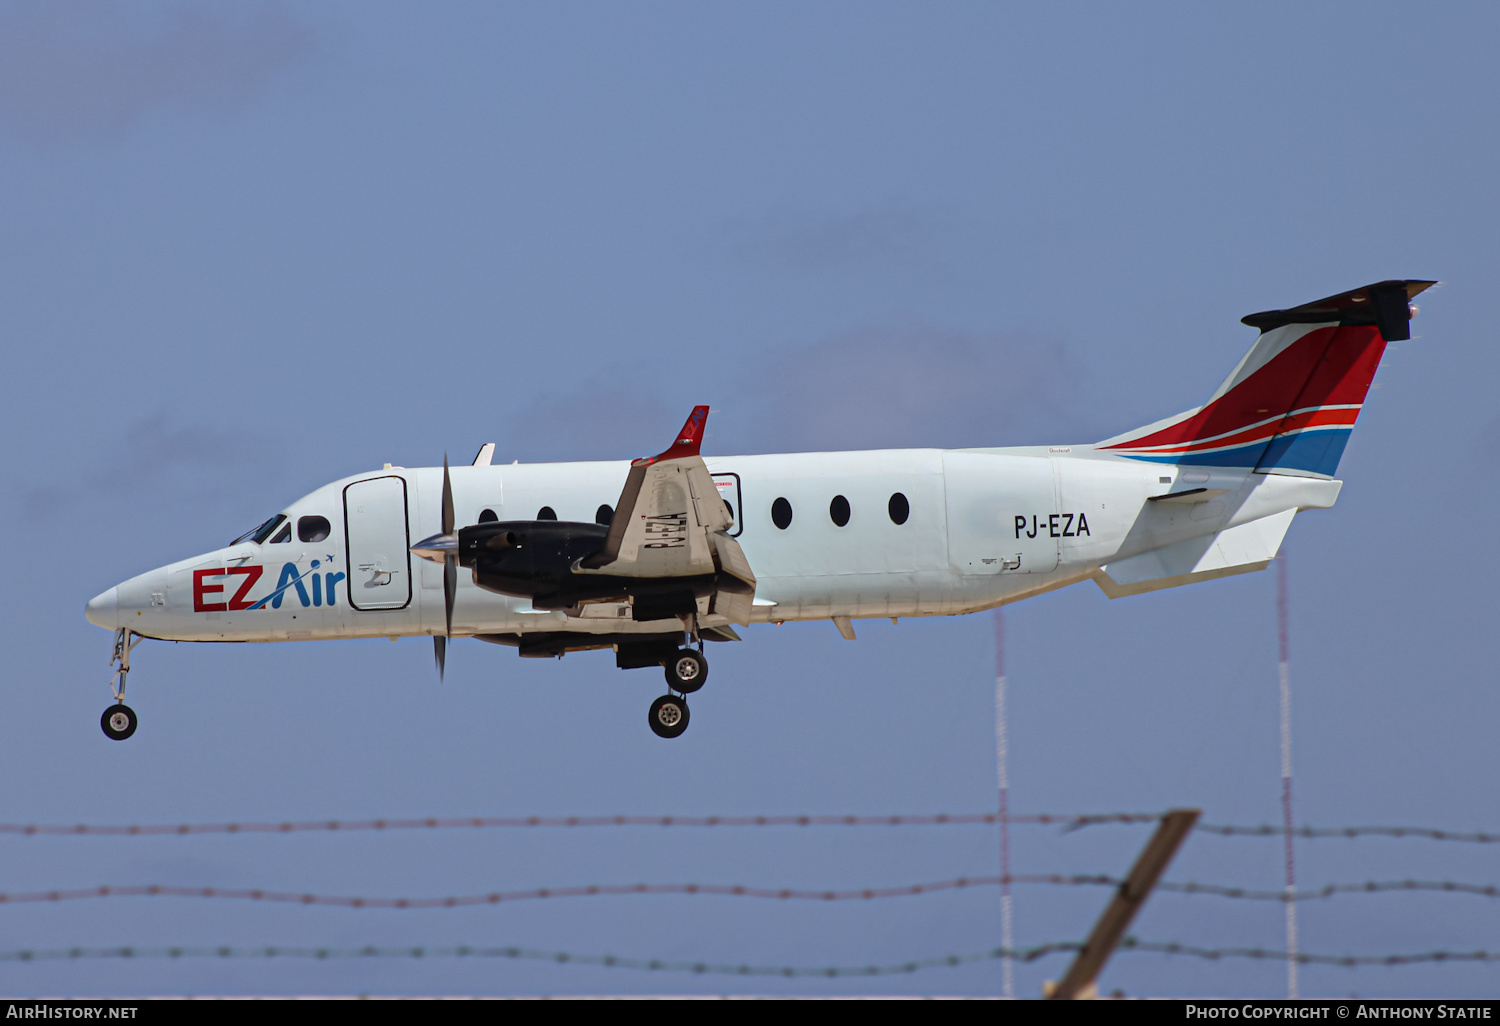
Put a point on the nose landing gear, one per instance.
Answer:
(119, 720)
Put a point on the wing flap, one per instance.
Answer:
(734, 606)
(731, 558)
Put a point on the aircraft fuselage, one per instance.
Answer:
(977, 528)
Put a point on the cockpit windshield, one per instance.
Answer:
(261, 533)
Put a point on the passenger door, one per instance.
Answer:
(378, 544)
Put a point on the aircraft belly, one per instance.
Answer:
(922, 593)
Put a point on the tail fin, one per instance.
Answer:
(1289, 406)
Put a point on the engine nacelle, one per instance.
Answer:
(534, 559)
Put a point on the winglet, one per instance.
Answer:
(689, 439)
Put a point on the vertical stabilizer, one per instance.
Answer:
(1289, 405)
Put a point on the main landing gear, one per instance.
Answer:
(687, 671)
(119, 720)
(669, 716)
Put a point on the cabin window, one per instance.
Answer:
(728, 508)
(899, 508)
(312, 529)
(283, 535)
(781, 514)
(838, 511)
(604, 514)
(546, 513)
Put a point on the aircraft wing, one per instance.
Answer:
(670, 522)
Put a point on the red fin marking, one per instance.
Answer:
(689, 439)
(1328, 366)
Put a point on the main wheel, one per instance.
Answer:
(686, 671)
(669, 716)
(118, 722)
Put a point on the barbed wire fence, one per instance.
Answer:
(1030, 954)
(731, 891)
(1065, 823)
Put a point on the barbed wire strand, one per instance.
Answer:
(500, 897)
(1424, 833)
(512, 822)
(1330, 890)
(1067, 822)
(723, 890)
(1305, 958)
(527, 954)
(714, 968)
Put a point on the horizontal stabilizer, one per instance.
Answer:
(1383, 304)
(1238, 550)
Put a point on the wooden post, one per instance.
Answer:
(1089, 963)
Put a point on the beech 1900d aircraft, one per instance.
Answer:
(655, 557)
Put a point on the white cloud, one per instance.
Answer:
(919, 386)
(889, 234)
(861, 389)
(87, 67)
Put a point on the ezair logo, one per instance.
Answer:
(311, 587)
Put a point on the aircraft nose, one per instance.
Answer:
(103, 609)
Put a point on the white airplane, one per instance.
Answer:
(652, 558)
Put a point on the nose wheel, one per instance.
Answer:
(118, 722)
(669, 716)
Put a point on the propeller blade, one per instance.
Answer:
(447, 498)
(450, 589)
(444, 544)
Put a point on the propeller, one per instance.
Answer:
(450, 572)
(443, 548)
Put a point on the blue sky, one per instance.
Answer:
(246, 250)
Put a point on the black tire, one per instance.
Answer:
(687, 671)
(669, 716)
(118, 721)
